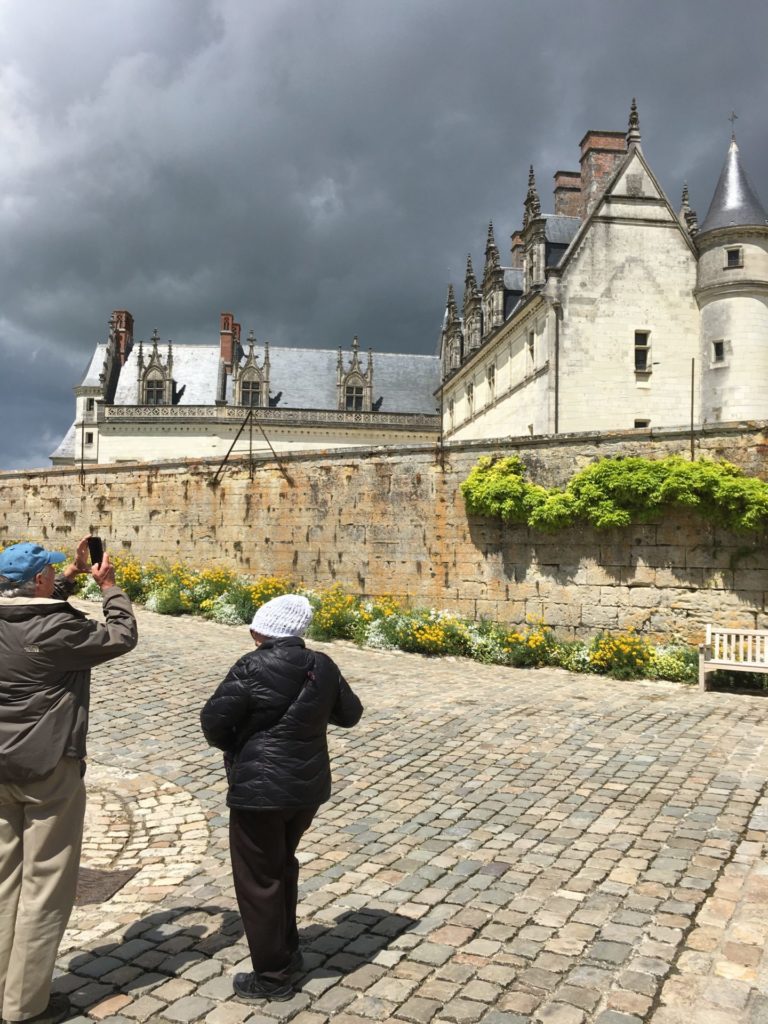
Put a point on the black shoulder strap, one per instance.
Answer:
(247, 730)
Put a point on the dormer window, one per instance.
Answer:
(156, 385)
(355, 385)
(250, 379)
(734, 258)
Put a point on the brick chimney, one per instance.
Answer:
(567, 190)
(124, 333)
(600, 155)
(227, 339)
(517, 251)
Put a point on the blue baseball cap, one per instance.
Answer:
(22, 562)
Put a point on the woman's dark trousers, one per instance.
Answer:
(262, 846)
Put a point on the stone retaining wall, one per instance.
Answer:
(393, 521)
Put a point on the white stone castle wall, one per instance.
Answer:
(627, 278)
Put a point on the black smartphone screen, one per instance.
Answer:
(96, 550)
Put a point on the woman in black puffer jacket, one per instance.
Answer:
(270, 716)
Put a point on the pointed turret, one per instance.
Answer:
(532, 201)
(633, 128)
(735, 202)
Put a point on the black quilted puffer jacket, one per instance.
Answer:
(270, 716)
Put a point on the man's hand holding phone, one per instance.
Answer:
(80, 563)
(104, 572)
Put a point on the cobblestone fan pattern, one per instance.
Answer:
(402, 529)
(502, 846)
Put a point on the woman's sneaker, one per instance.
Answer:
(252, 987)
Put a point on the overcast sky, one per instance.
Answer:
(319, 167)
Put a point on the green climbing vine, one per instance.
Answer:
(618, 492)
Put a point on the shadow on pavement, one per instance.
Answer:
(191, 943)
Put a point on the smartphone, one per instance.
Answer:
(96, 550)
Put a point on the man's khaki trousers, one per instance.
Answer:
(41, 831)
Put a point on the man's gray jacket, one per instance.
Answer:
(47, 651)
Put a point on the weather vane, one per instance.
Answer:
(733, 119)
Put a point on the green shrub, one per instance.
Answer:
(166, 600)
(676, 662)
(618, 492)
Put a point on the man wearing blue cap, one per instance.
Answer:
(47, 651)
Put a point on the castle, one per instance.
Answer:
(615, 312)
(156, 402)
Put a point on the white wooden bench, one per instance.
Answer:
(738, 650)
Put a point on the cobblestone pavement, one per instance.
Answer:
(502, 846)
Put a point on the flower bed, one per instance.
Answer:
(387, 623)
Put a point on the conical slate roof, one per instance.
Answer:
(735, 201)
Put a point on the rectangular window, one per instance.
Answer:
(250, 393)
(89, 404)
(155, 391)
(491, 377)
(642, 352)
(718, 351)
(642, 424)
(471, 398)
(88, 437)
(353, 398)
(531, 345)
(733, 258)
(450, 412)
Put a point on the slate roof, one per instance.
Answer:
(96, 365)
(560, 230)
(306, 377)
(66, 449)
(735, 201)
(513, 279)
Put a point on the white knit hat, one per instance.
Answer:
(289, 615)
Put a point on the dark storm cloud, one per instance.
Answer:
(321, 169)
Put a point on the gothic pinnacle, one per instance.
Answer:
(470, 274)
(633, 131)
(687, 215)
(532, 202)
(450, 305)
